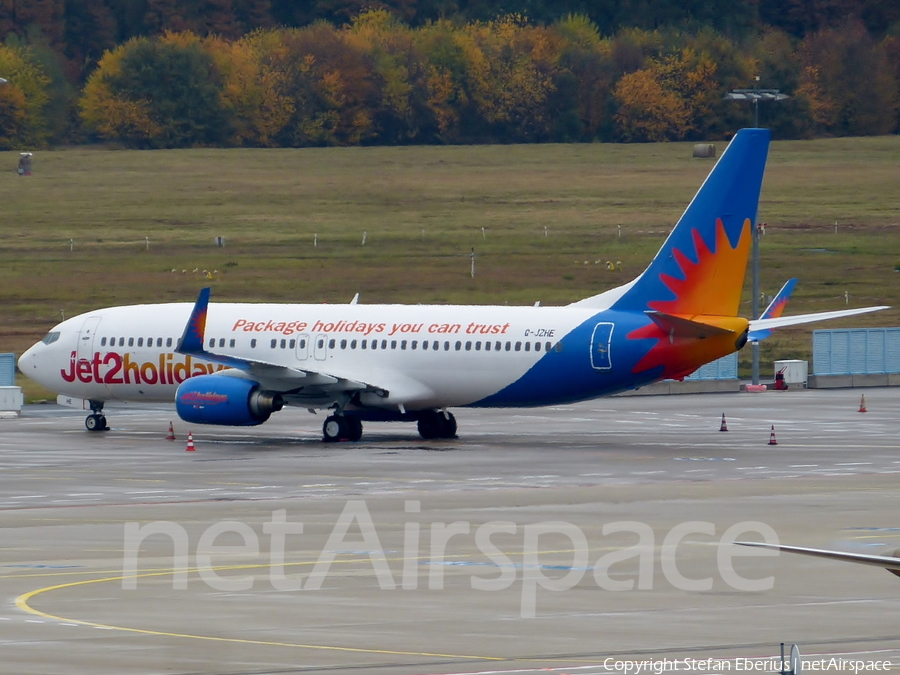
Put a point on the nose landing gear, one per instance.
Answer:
(96, 421)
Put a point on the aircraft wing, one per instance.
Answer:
(890, 563)
(779, 322)
(274, 376)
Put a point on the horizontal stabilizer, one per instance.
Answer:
(764, 324)
(890, 563)
(677, 326)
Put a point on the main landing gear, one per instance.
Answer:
(96, 421)
(436, 424)
(432, 424)
(341, 428)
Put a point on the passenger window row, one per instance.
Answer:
(111, 342)
(367, 344)
(424, 345)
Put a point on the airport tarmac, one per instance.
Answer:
(440, 552)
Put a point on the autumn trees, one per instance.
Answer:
(379, 79)
(23, 99)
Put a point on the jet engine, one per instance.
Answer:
(223, 400)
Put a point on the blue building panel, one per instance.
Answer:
(7, 370)
(725, 368)
(860, 351)
(892, 350)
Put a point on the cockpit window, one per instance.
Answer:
(50, 338)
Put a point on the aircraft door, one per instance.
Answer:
(302, 347)
(320, 349)
(601, 343)
(86, 337)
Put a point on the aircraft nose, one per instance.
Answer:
(28, 361)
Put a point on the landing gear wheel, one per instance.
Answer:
(434, 424)
(335, 428)
(354, 428)
(429, 425)
(448, 425)
(96, 422)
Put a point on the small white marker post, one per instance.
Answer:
(473, 263)
(365, 234)
(482, 234)
(146, 243)
(316, 240)
(835, 227)
(545, 231)
(71, 245)
(619, 228)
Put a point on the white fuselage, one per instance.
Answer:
(425, 356)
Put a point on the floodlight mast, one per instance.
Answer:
(756, 95)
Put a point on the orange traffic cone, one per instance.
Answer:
(772, 440)
(723, 426)
(862, 404)
(171, 436)
(190, 444)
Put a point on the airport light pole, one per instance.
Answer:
(756, 95)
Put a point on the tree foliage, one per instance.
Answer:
(23, 100)
(164, 93)
(162, 73)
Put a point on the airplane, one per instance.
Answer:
(889, 562)
(237, 363)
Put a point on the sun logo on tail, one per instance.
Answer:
(198, 326)
(713, 284)
(710, 287)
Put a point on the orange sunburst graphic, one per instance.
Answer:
(713, 284)
(198, 325)
(710, 287)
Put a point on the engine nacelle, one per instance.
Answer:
(219, 399)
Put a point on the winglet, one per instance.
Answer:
(192, 340)
(774, 310)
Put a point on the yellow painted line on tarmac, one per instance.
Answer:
(22, 602)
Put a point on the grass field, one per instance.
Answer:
(73, 234)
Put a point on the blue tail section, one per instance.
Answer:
(700, 268)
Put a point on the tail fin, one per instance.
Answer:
(700, 268)
(774, 310)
